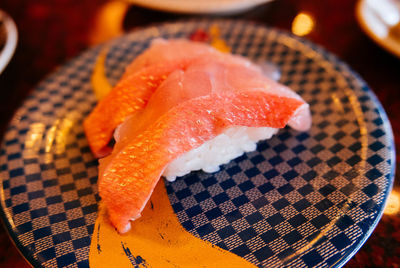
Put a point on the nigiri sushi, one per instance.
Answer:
(203, 113)
(141, 78)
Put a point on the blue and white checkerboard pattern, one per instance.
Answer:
(302, 199)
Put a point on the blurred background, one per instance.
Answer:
(52, 32)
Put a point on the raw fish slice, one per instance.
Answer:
(162, 50)
(139, 82)
(128, 176)
(189, 108)
(131, 94)
(202, 78)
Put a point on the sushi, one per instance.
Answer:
(205, 110)
(141, 78)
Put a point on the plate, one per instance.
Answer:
(8, 39)
(376, 28)
(302, 199)
(221, 7)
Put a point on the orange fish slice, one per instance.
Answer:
(141, 78)
(129, 175)
(129, 95)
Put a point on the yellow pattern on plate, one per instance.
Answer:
(157, 239)
(101, 86)
(216, 41)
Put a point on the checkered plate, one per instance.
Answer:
(302, 199)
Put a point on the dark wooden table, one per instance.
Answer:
(51, 32)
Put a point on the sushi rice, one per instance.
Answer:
(227, 146)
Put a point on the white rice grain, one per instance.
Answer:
(221, 150)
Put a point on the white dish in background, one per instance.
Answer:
(376, 19)
(221, 7)
(11, 36)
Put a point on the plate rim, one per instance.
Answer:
(10, 45)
